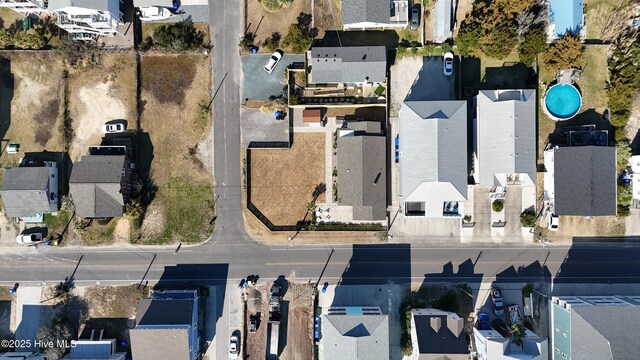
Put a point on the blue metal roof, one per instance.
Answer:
(566, 15)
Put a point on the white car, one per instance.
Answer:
(153, 13)
(554, 222)
(29, 239)
(447, 64)
(234, 347)
(496, 299)
(113, 127)
(273, 61)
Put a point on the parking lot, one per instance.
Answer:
(431, 83)
(256, 126)
(260, 85)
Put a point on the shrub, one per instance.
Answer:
(447, 302)
(497, 206)
(623, 210)
(271, 43)
(6, 39)
(534, 43)
(182, 36)
(621, 134)
(275, 5)
(467, 218)
(566, 52)
(405, 324)
(528, 218)
(297, 39)
(624, 194)
(28, 40)
(623, 153)
(246, 43)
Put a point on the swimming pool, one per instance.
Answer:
(563, 101)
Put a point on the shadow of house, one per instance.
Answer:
(144, 158)
(535, 273)
(509, 76)
(172, 315)
(211, 279)
(5, 320)
(367, 298)
(387, 38)
(613, 265)
(110, 328)
(7, 84)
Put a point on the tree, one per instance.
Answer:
(297, 39)
(497, 206)
(623, 153)
(28, 40)
(468, 38)
(58, 330)
(565, 53)
(528, 218)
(6, 38)
(517, 333)
(182, 36)
(534, 43)
(498, 41)
(271, 43)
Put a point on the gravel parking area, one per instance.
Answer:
(256, 126)
(260, 85)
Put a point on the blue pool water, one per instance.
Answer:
(563, 101)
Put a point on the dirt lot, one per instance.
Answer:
(327, 15)
(283, 181)
(296, 323)
(464, 7)
(576, 226)
(99, 94)
(180, 185)
(30, 102)
(263, 23)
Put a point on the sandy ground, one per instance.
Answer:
(180, 158)
(403, 75)
(634, 125)
(122, 232)
(97, 105)
(263, 23)
(100, 94)
(30, 102)
(296, 323)
(327, 15)
(464, 7)
(283, 181)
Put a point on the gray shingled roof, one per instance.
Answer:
(356, 337)
(365, 11)
(506, 134)
(362, 175)
(585, 181)
(352, 64)
(95, 186)
(605, 332)
(433, 144)
(24, 191)
(442, 23)
(443, 341)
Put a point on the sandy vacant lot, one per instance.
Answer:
(181, 208)
(100, 94)
(31, 92)
(283, 181)
(263, 23)
(327, 15)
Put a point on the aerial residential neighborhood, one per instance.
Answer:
(320, 179)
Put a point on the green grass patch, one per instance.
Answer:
(57, 223)
(189, 209)
(99, 232)
(594, 79)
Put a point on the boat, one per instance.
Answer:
(154, 13)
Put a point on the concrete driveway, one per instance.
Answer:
(256, 126)
(431, 84)
(257, 84)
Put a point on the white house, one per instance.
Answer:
(82, 19)
(490, 345)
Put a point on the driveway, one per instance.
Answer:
(256, 126)
(431, 84)
(257, 84)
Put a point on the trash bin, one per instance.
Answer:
(26, 23)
